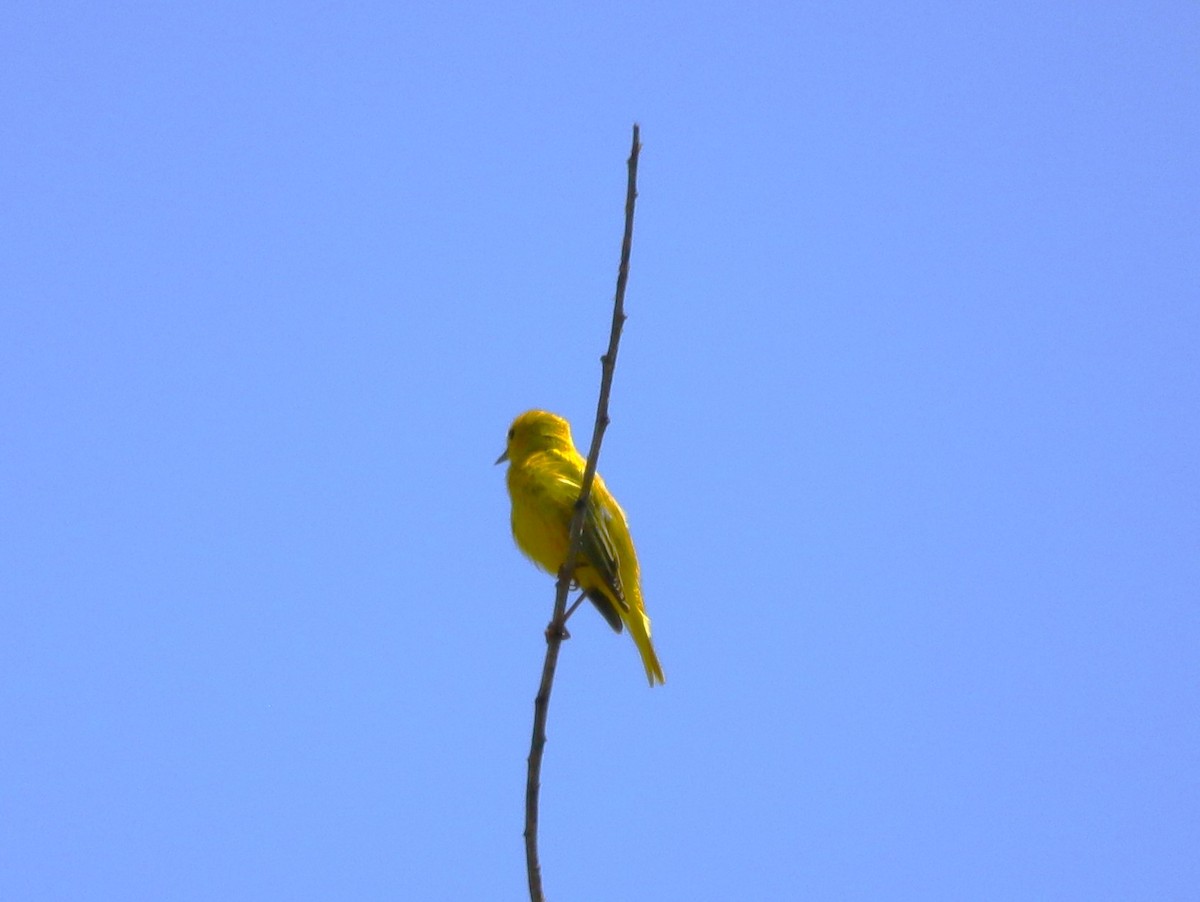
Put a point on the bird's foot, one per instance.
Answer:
(556, 631)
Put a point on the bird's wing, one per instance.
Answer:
(600, 551)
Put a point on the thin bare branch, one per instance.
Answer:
(555, 631)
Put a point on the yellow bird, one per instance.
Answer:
(545, 474)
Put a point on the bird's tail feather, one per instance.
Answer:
(606, 608)
(639, 629)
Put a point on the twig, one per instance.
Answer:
(555, 631)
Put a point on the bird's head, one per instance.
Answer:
(534, 431)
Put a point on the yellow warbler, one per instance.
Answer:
(545, 474)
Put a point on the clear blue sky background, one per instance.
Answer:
(906, 421)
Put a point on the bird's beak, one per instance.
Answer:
(502, 458)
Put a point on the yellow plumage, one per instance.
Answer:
(545, 474)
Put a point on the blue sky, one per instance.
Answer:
(905, 421)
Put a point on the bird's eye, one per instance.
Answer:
(510, 434)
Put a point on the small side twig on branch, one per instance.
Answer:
(555, 631)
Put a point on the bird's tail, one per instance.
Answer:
(639, 629)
